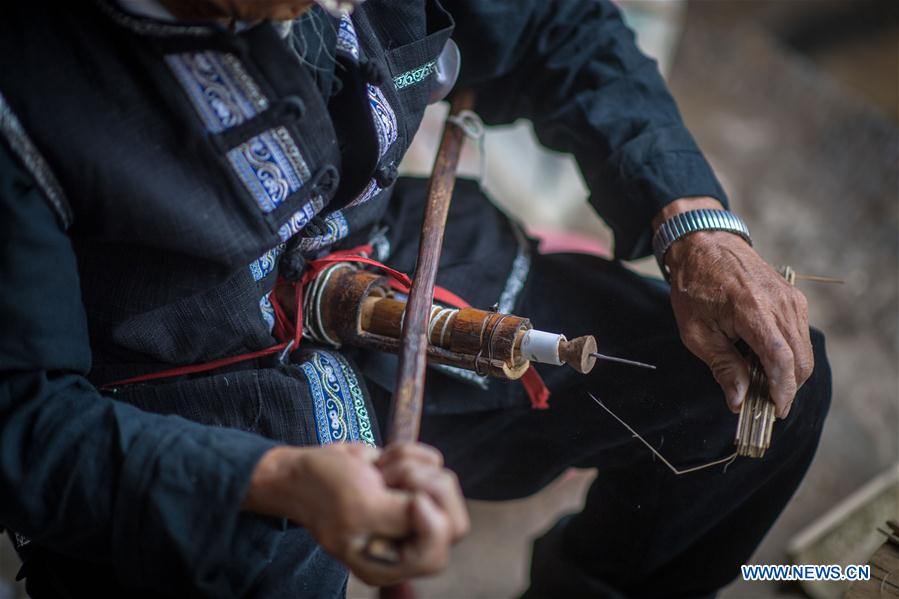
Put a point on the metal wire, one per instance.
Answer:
(599, 356)
(727, 461)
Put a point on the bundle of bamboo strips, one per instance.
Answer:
(757, 415)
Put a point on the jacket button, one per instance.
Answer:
(386, 176)
(292, 107)
(372, 73)
(326, 180)
(291, 265)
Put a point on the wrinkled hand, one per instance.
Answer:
(344, 497)
(722, 291)
(419, 468)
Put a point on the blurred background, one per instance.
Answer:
(796, 103)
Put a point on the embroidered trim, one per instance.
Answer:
(338, 401)
(347, 40)
(338, 229)
(384, 117)
(521, 267)
(34, 163)
(270, 166)
(370, 191)
(299, 219)
(220, 89)
(266, 263)
(267, 310)
(149, 26)
(415, 76)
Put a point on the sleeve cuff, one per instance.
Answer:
(179, 509)
(647, 188)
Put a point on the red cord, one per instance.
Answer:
(290, 334)
(536, 389)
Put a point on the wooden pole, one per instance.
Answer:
(408, 396)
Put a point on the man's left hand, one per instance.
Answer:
(722, 291)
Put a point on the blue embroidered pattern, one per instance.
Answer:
(337, 229)
(347, 40)
(370, 191)
(270, 166)
(265, 264)
(221, 91)
(301, 218)
(295, 223)
(385, 119)
(267, 310)
(338, 402)
(415, 76)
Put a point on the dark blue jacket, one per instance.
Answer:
(150, 175)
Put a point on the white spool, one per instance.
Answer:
(543, 348)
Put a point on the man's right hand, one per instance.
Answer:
(340, 494)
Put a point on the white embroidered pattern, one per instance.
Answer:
(265, 264)
(339, 404)
(152, 27)
(415, 76)
(370, 191)
(270, 166)
(347, 40)
(267, 310)
(337, 229)
(385, 119)
(219, 88)
(301, 218)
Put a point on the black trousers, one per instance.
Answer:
(644, 531)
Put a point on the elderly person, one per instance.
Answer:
(163, 164)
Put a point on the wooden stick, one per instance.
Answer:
(406, 407)
(405, 419)
(818, 279)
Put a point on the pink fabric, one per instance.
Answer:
(563, 242)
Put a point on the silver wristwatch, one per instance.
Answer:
(681, 225)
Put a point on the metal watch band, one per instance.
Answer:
(681, 225)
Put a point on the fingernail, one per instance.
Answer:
(735, 399)
(786, 411)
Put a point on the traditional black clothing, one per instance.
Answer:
(157, 177)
